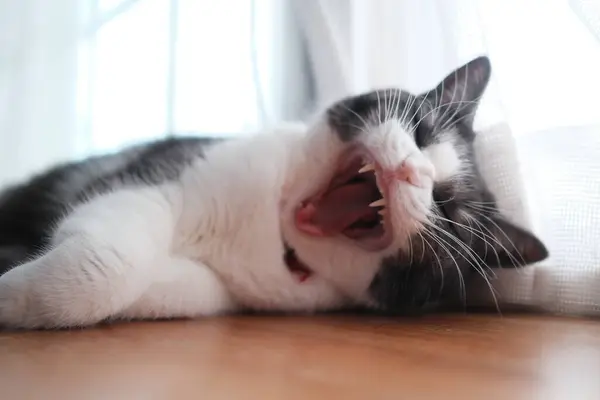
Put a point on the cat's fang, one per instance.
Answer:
(366, 168)
(378, 203)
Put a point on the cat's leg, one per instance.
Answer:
(182, 289)
(102, 259)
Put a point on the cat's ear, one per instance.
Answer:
(509, 246)
(463, 88)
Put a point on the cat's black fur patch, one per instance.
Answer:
(350, 116)
(29, 210)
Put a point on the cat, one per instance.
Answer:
(376, 204)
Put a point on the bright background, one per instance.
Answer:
(83, 76)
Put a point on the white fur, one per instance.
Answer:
(445, 158)
(212, 242)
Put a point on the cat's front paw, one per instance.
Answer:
(17, 310)
(33, 296)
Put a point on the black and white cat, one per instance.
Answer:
(378, 204)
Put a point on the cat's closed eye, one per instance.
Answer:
(424, 132)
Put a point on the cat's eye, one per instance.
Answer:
(444, 200)
(442, 196)
(422, 133)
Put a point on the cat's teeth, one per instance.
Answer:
(382, 212)
(378, 203)
(366, 168)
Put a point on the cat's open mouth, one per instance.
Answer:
(351, 205)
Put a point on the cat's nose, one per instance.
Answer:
(411, 172)
(407, 172)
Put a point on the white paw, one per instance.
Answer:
(36, 295)
(58, 291)
(17, 306)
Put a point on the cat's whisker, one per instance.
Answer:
(452, 121)
(479, 262)
(491, 236)
(378, 106)
(479, 234)
(482, 206)
(404, 111)
(390, 107)
(437, 102)
(446, 108)
(422, 248)
(444, 124)
(361, 119)
(419, 109)
(483, 263)
(491, 207)
(403, 117)
(439, 261)
(488, 244)
(442, 202)
(477, 267)
(406, 106)
(397, 103)
(464, 92)
(440, 242)
(413, 130)
(411, 249)
(516, 263)
(464, 247)
(361, 129)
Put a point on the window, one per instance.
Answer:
(149, 68)
(545, 60)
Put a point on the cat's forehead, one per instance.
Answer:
(352, 114)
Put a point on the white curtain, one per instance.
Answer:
(87, 76)
(541, 110)
(38, 63)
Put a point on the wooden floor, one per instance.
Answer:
(329, 357)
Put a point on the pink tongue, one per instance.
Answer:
(343, 206)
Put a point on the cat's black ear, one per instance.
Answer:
(463, 88)
(509, 246)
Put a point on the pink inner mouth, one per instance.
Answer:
(344, 207)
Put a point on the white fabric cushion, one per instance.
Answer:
(499, 164)
(562, 172)
(549, 183)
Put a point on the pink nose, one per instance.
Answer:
(406, 172)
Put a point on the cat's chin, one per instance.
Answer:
(351, 205)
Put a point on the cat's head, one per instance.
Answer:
(390, 203)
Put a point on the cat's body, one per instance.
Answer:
(27, 210)
(280, 221)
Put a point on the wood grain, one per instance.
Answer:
(326, 357)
